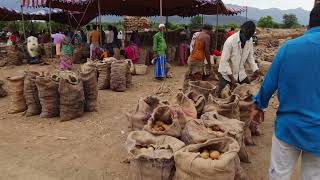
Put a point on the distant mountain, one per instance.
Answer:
(277, 14)
(253, 13)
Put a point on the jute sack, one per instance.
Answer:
(154, 164)
(31, 94)
(186, 105)
(139, 118)
(78, 55)
(71, 96)
(90, 86)
(3, 92)
(233, 128)
(199, 101)
(166, 120)
(264, 67)
(15, 90)
(201, 87)
(49, 95)
(246, 92)
(227, 107)
(118, 80)
(104, 70)
(128, 74)
(189, 164)
(226, 92)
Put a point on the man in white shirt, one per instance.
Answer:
(237, 51)
(110, 39)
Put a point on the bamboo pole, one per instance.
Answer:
(50, 29)
(100, 26)
(217, 29)
(161, 13)
(23, 27)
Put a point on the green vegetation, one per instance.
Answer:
(290, 21)
(266, 22)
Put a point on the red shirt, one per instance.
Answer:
(13, 38)
(230, 33)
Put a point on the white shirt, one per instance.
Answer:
(109, 37)
(234, 57)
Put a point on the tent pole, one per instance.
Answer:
(246, 13)
(50, 30)
(100, 26)
(217, 29)
(23, 27)
(161, 15)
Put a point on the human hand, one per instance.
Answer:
(256, 115)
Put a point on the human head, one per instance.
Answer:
(162, 27)
(207, 28)
(88, 27)
(315, 17)
(248, 29)
(232, 29)
(110, 28)
(94, 27)
(185, 27)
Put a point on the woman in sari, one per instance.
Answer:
(66, 53)
(159, 49)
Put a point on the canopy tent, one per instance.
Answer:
(184, 8)
(71, 18)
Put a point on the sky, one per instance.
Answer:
(281, 4)
(262, 4)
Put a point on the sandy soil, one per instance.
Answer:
(91, 147)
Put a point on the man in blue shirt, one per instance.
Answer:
(294, 73)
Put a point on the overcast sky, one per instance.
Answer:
(262, 4)
(281, 4)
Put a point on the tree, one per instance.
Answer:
(266, 22)
(290, 20)
(195, 22)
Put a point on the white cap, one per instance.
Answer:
(161, 25)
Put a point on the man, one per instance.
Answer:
(88, 28)
(230, 33)
(294, 73)
(57, 40)
(110, 38)
(237, 51)
(200, 52)
(94, 41)
(159, 51)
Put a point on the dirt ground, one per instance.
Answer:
(91, 147)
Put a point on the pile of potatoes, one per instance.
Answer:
(212, 154)
(146, 148)
(160, 126)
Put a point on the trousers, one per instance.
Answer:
(284, 158)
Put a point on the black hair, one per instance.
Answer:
(88, 27)
(207, 27)
(94, 27)
(232, 29)
(249, 25)
(315, 17)
(122, 52)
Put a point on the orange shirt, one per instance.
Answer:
(95, 37)
(197, 53)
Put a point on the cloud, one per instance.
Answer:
(281, 4)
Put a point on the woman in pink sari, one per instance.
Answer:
(132, 52)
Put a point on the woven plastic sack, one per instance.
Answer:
(15, 90)
(156, 163)
(71, 96)
(49, 95)
(31, 94)
(104, 71)
(189, 164)
(90, 86)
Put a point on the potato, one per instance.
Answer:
(214, 155)
(161, 128)
(205, 154)
(143, 149)
(150, 148)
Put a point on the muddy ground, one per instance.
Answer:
(91, 147)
